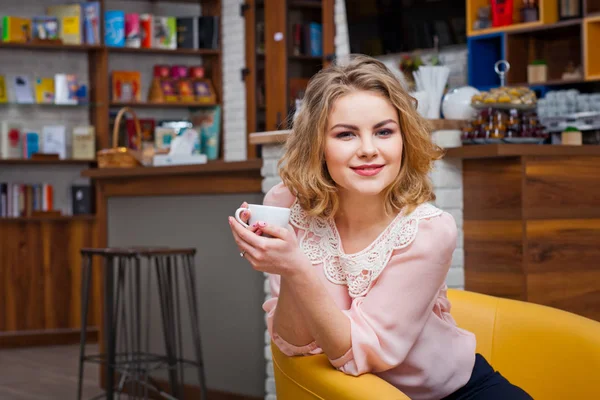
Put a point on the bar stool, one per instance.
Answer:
(129, 274)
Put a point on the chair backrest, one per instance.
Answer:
(550, 353)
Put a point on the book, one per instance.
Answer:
(44, 28)
(147, 30)
(316, 41)
(208, 32)
(54, 140)
(126, 86)
(83, 143)
(133, 36)
(165, 32)
(69, 21)
(187, 33)
(10, 140)
(114, 28)
(90, 15)
(23, 90)
(44, 90)
(65, 89)
(3, 93)
(31, 144)
(3, 200)
(16, 29)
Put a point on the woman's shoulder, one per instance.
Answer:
(436, 229)
(279, 196)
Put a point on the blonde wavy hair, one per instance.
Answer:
(303, 168)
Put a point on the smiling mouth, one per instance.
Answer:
(368, 170)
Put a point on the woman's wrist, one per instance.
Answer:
(299, 269)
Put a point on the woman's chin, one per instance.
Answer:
(367, 189)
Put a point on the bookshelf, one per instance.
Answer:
(38, 245)
(270, 54)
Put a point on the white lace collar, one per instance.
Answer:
(320, 242)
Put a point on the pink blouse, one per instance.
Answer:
(394, 294)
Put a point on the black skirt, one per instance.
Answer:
(487, 384)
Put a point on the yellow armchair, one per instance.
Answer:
(550, 353)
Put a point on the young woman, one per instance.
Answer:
(360, 273)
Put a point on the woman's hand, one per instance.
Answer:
(278, 254)
(245, 216)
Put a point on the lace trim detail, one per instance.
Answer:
(321, 244)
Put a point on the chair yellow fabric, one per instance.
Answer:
(550, 353)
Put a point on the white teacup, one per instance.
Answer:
(278, 216)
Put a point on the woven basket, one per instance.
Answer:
(121, 157)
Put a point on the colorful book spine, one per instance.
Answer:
(90, 15)
(114, 28)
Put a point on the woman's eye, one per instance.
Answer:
(385, 132)
(344, 135)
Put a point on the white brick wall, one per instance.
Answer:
(234, 90)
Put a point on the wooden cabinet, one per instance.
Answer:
(278, 65)
(40, 274)
(532, 224)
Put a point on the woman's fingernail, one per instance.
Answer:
(229, 219)
(262, 224)
(254, 226)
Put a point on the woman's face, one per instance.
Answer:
(363, 143)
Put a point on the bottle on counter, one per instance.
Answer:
(513, 124)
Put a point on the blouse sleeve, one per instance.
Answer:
(280, 196)
(387, 322)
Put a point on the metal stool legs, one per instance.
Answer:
(86, 279)
(167, 270)
(128, 360)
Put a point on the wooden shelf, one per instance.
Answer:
(517, 150)
(50, 105)
(208, 168)
(546, 27)
(50, 46)
(557, 44)
(61, 218)
(501, 29)
(193, 52)
(20, 161)
(86, 47)
(548, 14)
(161, 105)
(555, 82)
(591, 35)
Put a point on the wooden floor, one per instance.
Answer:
(46, 373)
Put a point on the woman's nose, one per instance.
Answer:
(367, 147)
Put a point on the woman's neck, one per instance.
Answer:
(361, 214)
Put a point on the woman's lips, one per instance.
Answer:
(368, 170)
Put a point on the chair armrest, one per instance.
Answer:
(313, 377)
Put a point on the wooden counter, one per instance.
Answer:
(532, 223)
(520, 150)
(213, 177)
